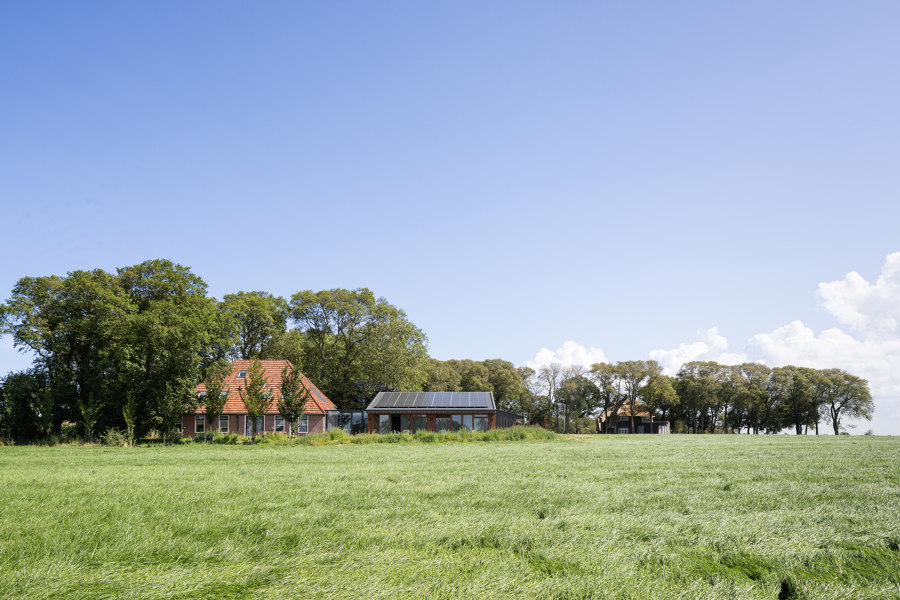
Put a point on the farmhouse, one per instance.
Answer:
(409, 412)
(234, 416)
(621, 422)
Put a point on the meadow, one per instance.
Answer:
(621, 517)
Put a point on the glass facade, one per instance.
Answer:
(480, 423)
(420, 423)
(443, 424)
(351, 421)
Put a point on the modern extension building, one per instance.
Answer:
(234, 416)
(409, 412)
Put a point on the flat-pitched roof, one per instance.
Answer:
(432, 401)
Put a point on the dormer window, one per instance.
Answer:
(242, 375)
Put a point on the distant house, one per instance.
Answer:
(409, 412)
(234, 416)
(621, 421)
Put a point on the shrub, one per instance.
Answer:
(68, 432)
(339, 436)
(115, 437)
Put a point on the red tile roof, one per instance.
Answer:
(318, 403)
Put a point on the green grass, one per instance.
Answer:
(591, 517)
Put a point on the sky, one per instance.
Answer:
(531, 181)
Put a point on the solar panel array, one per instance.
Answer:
(427, 400)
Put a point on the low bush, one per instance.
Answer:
(115, 437)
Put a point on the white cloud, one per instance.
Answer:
(872, 310)
(710, 346)
(570, 353)
(869, 348)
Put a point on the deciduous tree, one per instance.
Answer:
(254, 395)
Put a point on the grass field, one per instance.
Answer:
(594, 517)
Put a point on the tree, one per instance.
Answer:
(129, 414)
(254, 395)
(216, 395)
(90, 413)
(441, 377)
(610, 389)
(172, 336)
(550, 375)
(23, 397)
(658, 392)
(634, 374)
(752, 395)
(394, 352)
(355, 343)
(293, 398)
(847, 396)
(175, 402)
(697, 386)
(259, 317)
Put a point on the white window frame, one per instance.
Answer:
(303, 424)
(275, 424)
(242, 374)
(220, 423)
(199, 423)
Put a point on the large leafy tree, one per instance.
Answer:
(607, 378)
(258, 318)
(440, 376)
(659, 392)
(172, 329)
(395, 351)
(634, 375)
(354, 344)
(847, 396)
(148, 329)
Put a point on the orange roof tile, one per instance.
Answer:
(318, 402)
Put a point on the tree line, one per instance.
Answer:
(703, 397)
(126, 349)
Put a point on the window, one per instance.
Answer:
(201, 396)
(223, 423)
(242, 375)
(248, 425)
(279, 423)
(420, 423)
(405, 422)
(480, 423)
(623, 430)
(444, 424)
(303, 426)
(467, 421)
(199, 423)
(384, 424)
(645, 419)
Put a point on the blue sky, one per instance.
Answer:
(516, 176)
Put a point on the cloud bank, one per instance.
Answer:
(867, 343)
